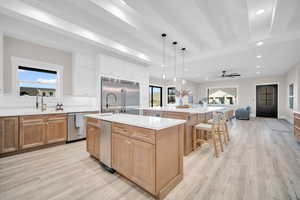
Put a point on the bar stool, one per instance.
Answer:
(222, 128)
(207, 133)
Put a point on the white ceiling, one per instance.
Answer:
(218, 34)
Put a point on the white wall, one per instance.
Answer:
(87, 63)
(293, 77)
(193, 87)
(1, 63)
(29, 50)
(84, 74)
(247, 91)
(114, 67)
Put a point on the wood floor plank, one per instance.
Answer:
(260, 162)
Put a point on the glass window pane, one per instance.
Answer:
(156, 96)
(225, 96)
(33, 81)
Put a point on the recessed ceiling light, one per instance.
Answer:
(164, 76)
(258, 67)
(259, 43)
(258, 56)
(260, 11)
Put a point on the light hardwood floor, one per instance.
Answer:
(259, 163)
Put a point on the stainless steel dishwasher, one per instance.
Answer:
(105, 146)
(76, 126)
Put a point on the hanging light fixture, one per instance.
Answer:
(175, 67)
(183, 54)
(164, 55)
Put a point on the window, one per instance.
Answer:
(266, 96)
(34, 81)
(171, 95)
(291, 96)
(155, 95)
(226, 96)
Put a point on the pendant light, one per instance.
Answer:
(175, 67)
(164, 55)
(183, 54)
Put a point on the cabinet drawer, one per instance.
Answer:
(93, 121)
(122, 129)
(152, 113)
(57, 117)
(32, 118)
(143, 134)
(175, 115)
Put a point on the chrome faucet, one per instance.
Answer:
(37, 102)
(44, 106)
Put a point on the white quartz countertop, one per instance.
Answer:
(155, 123)
(297, 112)
(8, 112)
(188, 110)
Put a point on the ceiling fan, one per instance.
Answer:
(226, 75)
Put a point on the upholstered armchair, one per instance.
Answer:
(243, 113)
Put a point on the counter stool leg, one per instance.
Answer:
(220, 140)
(215, 144)
(194, 138)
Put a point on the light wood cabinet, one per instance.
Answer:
(9, 133)
(122, 154)
(38, 130)
(32, 131)
(143, 164)
(134, 159)
(56, 128)
(93, 138)
(151, 159)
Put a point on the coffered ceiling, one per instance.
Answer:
(218, 34)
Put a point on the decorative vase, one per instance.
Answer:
(180, 101)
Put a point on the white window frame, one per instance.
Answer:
(291, 96)
(237, 95)
(167, 96)
(16, 62)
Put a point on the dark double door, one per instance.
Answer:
(267, 100)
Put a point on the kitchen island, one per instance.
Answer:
(193, 116)
(146, 150)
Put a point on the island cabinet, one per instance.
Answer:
(150, 158)
(192, 119)
(93, 132)
(297, 126)
(9, 134)
(39, 130)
